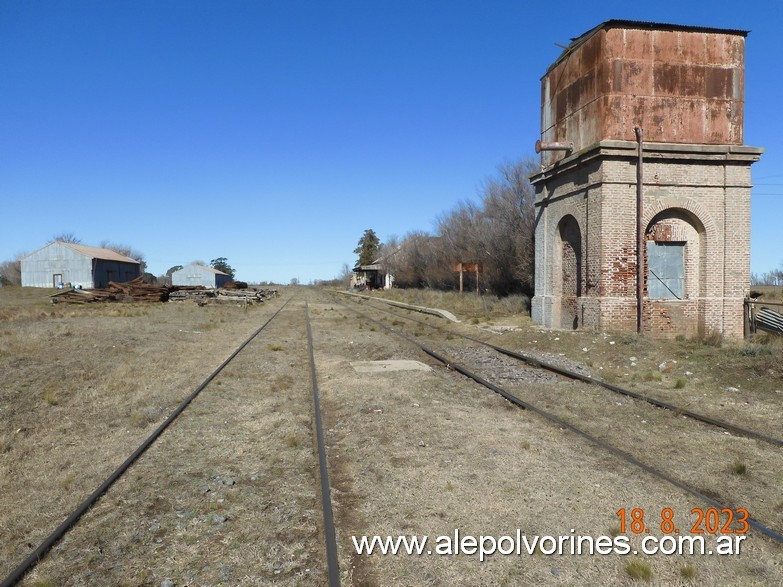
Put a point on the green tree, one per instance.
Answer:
(221, 264)
(369, 247)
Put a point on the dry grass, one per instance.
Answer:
(639, 570)
(688, 572)
(416, 455)
(468, 305)
(82, 387)
(769, 293)
(699, 373)
(229, 494)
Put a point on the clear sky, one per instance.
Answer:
(273, 132)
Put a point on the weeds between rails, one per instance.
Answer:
(38, 553)
(711, 501)
(608, 386)
(330, 536)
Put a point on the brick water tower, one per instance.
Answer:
(642, 150)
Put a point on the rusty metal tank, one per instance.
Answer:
(680, 84)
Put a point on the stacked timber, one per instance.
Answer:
(128, 291)
(80, 296)
(138, 291)
(239, 296)
(194, 293)
(235, 285)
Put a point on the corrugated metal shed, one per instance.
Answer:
(58, 264)
(199, 275)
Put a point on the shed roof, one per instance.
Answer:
(205, 268)
(93, 252)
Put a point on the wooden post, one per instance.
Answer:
(477, 283)
(460, 278)
(746, 317)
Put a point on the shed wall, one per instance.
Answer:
(198, 275)
(106, 271)
(40, 267)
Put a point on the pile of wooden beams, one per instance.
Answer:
(138, 291)
(80, 296)
(128, 291)
(195, 293)
(239, 296)
(235, 285)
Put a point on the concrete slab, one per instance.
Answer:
(388, 366)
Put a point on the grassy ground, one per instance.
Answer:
(84, 385)
(754, 366)
(467, 306)
(769, 293)
(228, 496)
(416, 456)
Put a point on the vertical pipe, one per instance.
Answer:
(639, 233)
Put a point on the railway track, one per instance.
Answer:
(378, 446)
(572, 374)
(332, 571)
(715, 501)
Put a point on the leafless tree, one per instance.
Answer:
(497, 232)
(774, 277)
(344, 278)
(126, 250)
(66, 237)
(509, 228)
(11, 271)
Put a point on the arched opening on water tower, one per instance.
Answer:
(567, 271)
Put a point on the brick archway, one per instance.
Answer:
(567, 272)
(680, 236)
(703, 219)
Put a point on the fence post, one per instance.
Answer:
(746, 317)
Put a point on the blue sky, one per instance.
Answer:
(274, 132)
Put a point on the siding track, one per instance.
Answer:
(609, 386)
(712, 501)
(43, 548)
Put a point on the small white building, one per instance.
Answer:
(373, 276)
(199, 275)
(59, 264)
